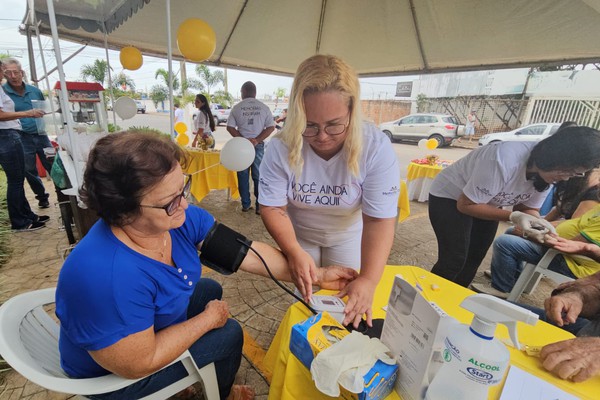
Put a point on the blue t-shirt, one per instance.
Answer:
(107, 291)
(23, 103)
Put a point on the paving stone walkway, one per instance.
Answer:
(256, 302)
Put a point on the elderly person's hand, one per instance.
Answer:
(564, 309)
(360, 300)
(217, 311)
(335, 277)
(575, 359)
(303, 270)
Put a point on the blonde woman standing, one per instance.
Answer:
(329, 184)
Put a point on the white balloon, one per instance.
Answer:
(237, 154)
(423, 144)
(125, 107)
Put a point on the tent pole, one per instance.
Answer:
(34, 23)
(170, 61)
(110, 86)
(63, 88)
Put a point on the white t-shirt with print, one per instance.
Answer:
(327, 201)
(250, 117)
(201, 122)
(7, 105)
(494, 174)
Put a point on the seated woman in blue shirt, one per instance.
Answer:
(130, 297)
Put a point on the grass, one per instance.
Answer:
(4, 248)
(4, 223)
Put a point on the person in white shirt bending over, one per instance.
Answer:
(329, 184)
(467, 199)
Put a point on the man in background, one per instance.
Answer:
(34, 141)
(252, 120)
(178, 116)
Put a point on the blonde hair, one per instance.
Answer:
(318, 74)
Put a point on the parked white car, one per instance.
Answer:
(414, 127)
(529, 133)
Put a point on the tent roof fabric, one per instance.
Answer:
(383, 37)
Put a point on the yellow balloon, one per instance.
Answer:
(432, 144)
(181, 127)
(131, 58)
(182, 139)
(196, 39)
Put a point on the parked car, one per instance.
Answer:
(277, 113)
(441, 127)
(220, 113)
(141, 107)
(529, 133)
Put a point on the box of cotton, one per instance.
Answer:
(335, 357)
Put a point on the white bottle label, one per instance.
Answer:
(477, 369)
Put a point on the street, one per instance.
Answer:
(404, 151)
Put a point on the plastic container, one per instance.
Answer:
(474, 359)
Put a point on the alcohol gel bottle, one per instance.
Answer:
(474, 359)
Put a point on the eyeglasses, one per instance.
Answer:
(571, 174)
(173, 205)
(332, 130)
(12, 73)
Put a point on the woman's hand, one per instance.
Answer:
(335, 277)
(217, 311)
(303, 271)
(360, 300)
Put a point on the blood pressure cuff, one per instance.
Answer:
(222, 250)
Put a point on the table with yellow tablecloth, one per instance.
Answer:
(214, 178)
(403, 202)
(290, 380)
(419, 178)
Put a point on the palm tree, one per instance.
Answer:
(164, 74)
(208, 78)
(122, 82)
(96, 71)
(279, 92)
(158, 94)
(192, 83)
(223, 98)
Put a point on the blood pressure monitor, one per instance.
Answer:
(333, 305)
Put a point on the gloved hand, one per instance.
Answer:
(346, 363)
(532, 227)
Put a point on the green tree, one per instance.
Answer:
(208, 78)
(192, 83)
(158, 94)
(98, 71)
(164, 74)
(223, 98)
(122, 81)
(280, 92)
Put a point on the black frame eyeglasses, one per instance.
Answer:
(173, 205)
(331, 130)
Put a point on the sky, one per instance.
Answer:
(12, 42)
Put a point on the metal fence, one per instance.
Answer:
(585, 112)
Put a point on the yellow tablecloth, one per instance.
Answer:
(419, 179)
(403, 202)
(217, 177)
(290, 380)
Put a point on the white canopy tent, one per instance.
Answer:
(377, 37)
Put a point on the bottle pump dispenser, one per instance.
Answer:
(474, 359)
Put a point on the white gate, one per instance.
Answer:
(584, 111)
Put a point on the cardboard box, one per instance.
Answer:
(317, 333)
(414, 331)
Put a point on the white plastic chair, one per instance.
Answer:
(532, 273)
(29, 343)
